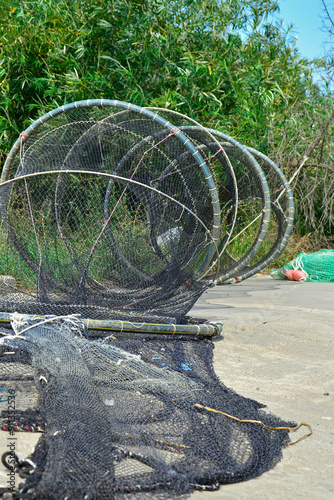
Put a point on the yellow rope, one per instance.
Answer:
(290, 429)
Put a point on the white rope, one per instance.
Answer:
(72, 318)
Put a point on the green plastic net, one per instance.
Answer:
(318, 266)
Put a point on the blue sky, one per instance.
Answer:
(305, 15)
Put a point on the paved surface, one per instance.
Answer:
(277, 348)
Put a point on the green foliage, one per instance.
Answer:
(208, 59)
(222, 62)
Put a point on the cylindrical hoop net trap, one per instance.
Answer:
(111, 212)
(252, 210)
(108, 211)
(244, 195)
(267, 237)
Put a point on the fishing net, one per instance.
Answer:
(117, 218)
(107, 212)
(317, 266)
(217, 159)
(113, 212)
(243, 193)
(256, 240)
(252, 209)
(280, 225)
(124, 415)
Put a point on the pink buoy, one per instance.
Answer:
(298, 275)
(289, 274)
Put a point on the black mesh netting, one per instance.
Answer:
(110, 216)
(111, 213)
(130, 414)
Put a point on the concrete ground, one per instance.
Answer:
(277, 348)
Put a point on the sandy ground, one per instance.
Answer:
(277, 348)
